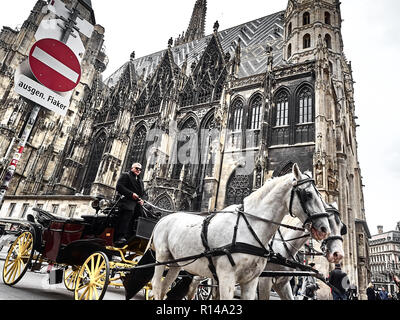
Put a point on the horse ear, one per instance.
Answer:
(296, 172)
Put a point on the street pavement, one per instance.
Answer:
(35, 286)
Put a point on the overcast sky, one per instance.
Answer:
(371, 33)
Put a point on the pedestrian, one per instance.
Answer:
(383, 294)
(131, 187)
(371, 292)
(340, 281)
(298, 286)
(310, 286)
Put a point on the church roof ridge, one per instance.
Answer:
(194, 49)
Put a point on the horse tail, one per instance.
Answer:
(150, 245)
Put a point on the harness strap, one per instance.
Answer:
(204, 239)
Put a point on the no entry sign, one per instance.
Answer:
(55, 65)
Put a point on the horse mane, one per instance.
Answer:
(268, 186)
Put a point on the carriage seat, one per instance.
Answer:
(50, 216)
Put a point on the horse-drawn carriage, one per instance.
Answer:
(81, 251)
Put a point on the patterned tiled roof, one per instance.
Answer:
(255, 36)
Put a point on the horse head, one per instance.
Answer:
(333, 245)
(306, 203)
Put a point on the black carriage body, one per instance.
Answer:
(72, 241)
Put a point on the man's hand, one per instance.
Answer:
(141, 202)
(135, 196)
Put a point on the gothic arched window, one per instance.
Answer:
(96, 154)
(255, 113)
(186, 150)
(328, 41)
(281, 131)
(289, 51)
(304, 126)
(306, 18)
(238, 188)
(237, 115)
(306, 41)
(289, 29)
(137, 151)
(327, 18)
(305, 107)
(282, 109)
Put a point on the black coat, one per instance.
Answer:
(127, 185)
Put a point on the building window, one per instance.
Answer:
(25, 208)
(289, 51)
(289, 29)
(327, 18)
(306, 41)
(328, 41)
(71, 211)
(96, 155)
(55, 208)
(255, 113)
(306, 18)
(11, 209)
(137, 152)
(238, 188)
(305, 106)
(186, 150)
(237, 115)
(282, 109)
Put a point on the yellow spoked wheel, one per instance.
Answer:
(148, 292)
(93, 278)
(18, 259)
(70, 276)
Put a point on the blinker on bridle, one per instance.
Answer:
(343, 231)
(303, 196)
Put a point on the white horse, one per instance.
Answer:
(288, 246)
(179, 235)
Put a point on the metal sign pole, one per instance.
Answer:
(70, 25)
(17, 156)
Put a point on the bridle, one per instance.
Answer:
(343, 231)
(304, 196)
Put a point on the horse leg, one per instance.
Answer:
(284, 291)
(169, 279)
(193, 288)
(264, 288)
(226, 286)
(249, 289)
(157, 282)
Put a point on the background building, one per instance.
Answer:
(211, 118)
(385, 258)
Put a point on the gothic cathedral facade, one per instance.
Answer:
(211, 118)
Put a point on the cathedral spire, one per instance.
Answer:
(197, 22)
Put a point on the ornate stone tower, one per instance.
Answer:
(313, 35)
(306, 21)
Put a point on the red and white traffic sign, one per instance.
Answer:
(55, 65)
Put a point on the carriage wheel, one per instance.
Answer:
(93, 278)
(70, 275)
(18, 259)
(204, 291)
(148, 292)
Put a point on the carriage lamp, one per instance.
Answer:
(104, 204)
